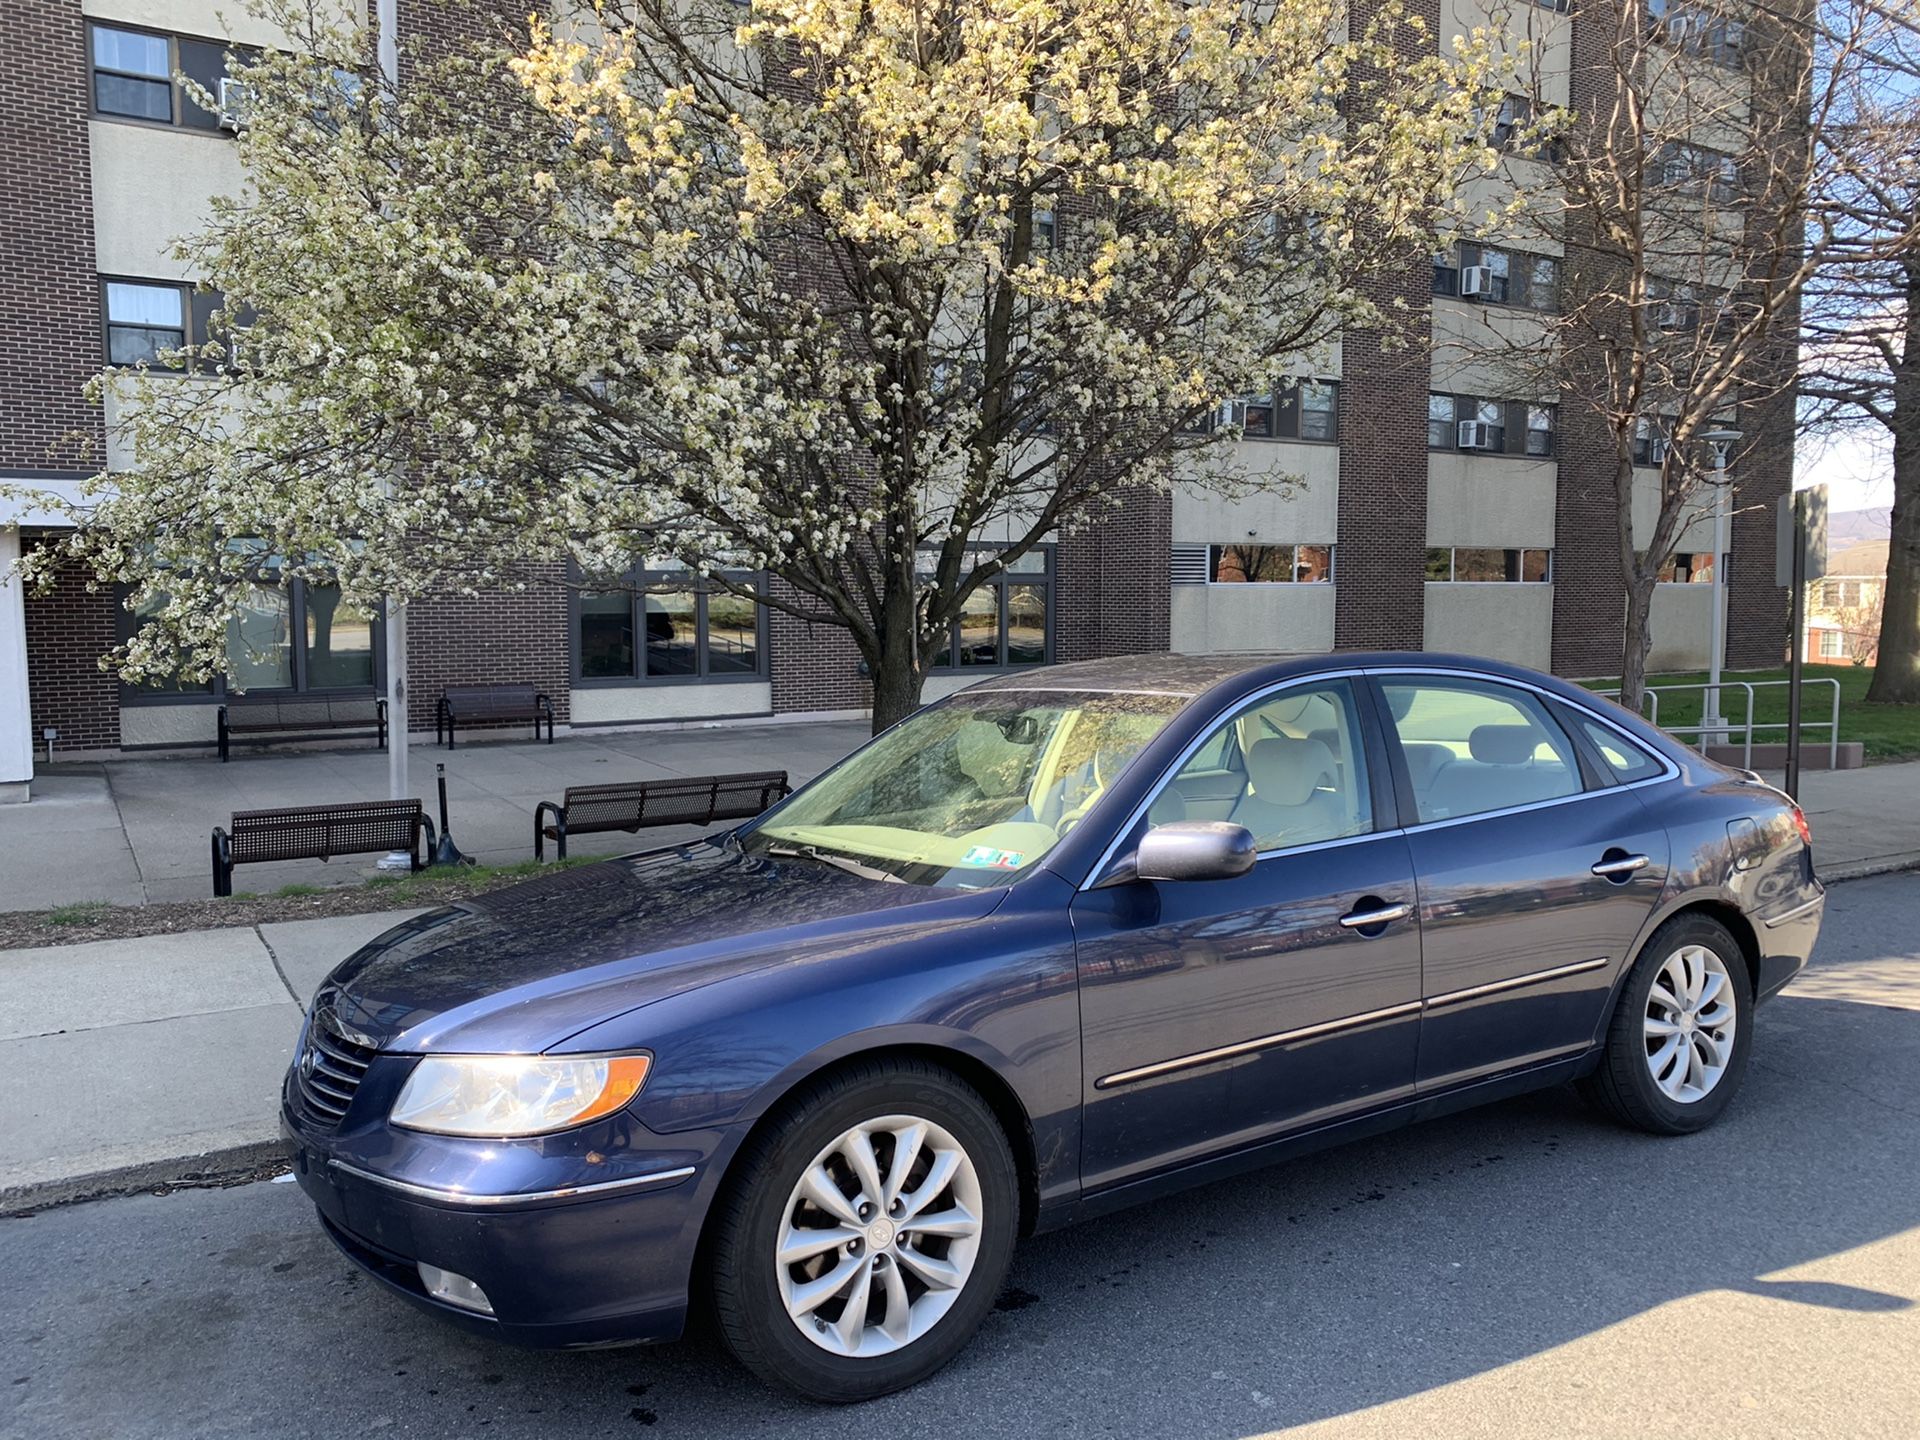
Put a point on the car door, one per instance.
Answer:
(1215, 1013)
(1535, 874)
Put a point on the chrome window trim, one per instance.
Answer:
(1514, 982)
(1262, 1042)
(1174, 766)
(442, 1196)
(1669, 770)
(1349, 1022)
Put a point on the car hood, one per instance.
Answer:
(519, 970)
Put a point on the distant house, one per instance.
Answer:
(1843, 609)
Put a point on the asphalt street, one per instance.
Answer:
(1525, 1270)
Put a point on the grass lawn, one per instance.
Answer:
(1890, 732)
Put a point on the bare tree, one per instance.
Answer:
(1672, 174)
(1861, 345)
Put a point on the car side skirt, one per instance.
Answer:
(1305, 1142)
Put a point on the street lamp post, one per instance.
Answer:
(1713, 724)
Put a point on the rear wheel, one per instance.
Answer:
(1676, 1048)
(866, 1233)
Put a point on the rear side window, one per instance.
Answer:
(1472, 746)
(1624, 758)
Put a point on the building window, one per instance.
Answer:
(1477, 425)
(1006, 622)
(1494, 276)
(1833, 645)
(1476, 566)
(665, 625)
(1247, 564)
(1688, 568)
(146, 322)
(1696, 171)
(1841, 594)
(1650, 441)
(290, 635)
(1304, 410)
(1697, 29)
(133, 74)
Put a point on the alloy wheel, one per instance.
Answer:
(879, 1237)
(1689, 1024)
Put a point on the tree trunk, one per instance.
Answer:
(1896, 676)
(1638, 640)
(898, 674)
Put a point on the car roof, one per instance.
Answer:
(1195, 675)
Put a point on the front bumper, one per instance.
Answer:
(571, 1263)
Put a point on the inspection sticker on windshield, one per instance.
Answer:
(994, 859)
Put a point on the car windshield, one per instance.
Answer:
(969, 793)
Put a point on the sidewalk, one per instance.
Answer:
(125, 1063)
(129, 1062)
(135, 830)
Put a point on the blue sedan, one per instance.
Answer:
(1063, 942)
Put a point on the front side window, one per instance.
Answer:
(969, 793)
(667, 626)
(1472, 746)
(1290, 768)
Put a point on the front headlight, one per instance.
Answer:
(508, 1095)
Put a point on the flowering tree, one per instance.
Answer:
(863, 298)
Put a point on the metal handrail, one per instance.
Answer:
(1748, 725)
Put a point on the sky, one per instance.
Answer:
(1857, 468)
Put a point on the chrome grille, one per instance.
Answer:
(329, 1071)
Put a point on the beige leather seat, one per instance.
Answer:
(1291, 798)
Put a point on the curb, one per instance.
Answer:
(228, 1165)
(1877, 865)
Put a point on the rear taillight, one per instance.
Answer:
(1800, 824)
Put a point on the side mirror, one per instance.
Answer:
(1195, 850)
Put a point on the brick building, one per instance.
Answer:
(1486, 530)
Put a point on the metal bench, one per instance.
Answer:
(281, 715)
(489, 705)
(320, 832)
(642, 804)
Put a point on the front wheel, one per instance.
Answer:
(866, 1232)
(1676, 1048)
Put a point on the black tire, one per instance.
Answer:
(751, 1314)
(1623, 1087)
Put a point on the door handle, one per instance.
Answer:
(1625, 865)
(1363, 919)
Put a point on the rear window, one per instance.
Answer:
(1624, 758)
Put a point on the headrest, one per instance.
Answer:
(990, 760)
(1328, 736)
(1504, 744)
(1285, 771)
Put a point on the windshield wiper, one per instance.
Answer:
(839, 862)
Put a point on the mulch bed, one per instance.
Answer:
(75, 924)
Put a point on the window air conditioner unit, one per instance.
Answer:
(233, 103)
(1476, 280)
(1675, 316)
(1476, 435)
